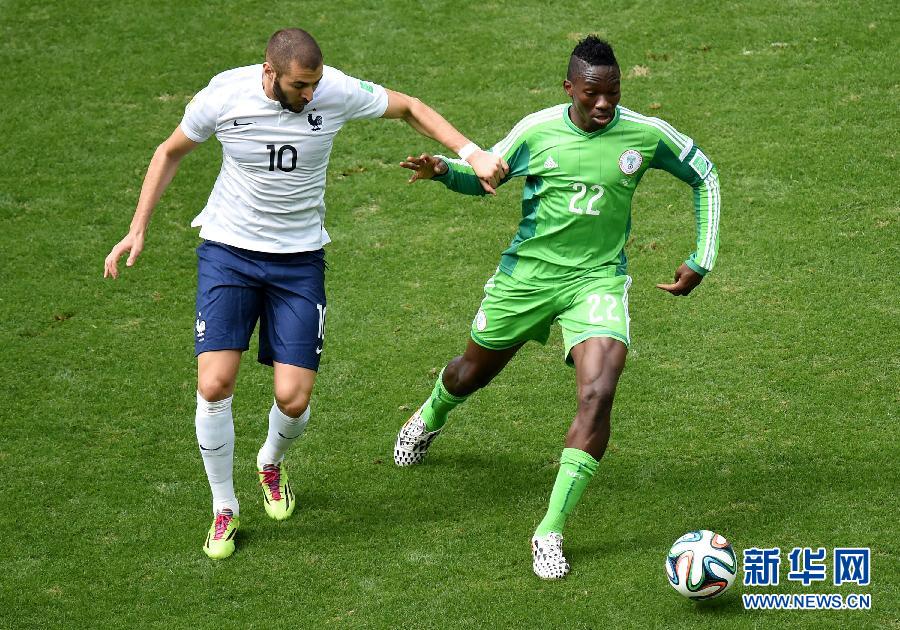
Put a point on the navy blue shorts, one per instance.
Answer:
(285, 292)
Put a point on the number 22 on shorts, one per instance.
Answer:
(597, 304)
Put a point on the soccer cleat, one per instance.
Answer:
(219, 542)
(549, 561)
(413, 440)
(277, 493)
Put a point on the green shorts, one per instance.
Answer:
(514, 312)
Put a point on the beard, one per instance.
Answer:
(282, 98)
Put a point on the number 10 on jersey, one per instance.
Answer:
(281, 153)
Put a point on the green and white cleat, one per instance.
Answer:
(549, 563)
(277, 493)
(219, 542)
(413, 440)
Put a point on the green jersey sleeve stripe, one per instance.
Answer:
(713, 200)
(450, 160)
(502, 147)
(681, 141)
(673, 133)
(707, 202)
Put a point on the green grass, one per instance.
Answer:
(763, 406)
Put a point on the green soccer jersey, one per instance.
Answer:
(576, 206)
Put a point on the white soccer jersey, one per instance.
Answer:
(270, 194)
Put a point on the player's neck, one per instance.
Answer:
(585, 125)
(268, 88)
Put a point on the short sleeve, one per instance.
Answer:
(200, 116)
(364, 99)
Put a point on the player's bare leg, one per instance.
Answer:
(216, 376)
(476, 368)
(459, 379)
(293, 388)
(288, 418)
(599, 362)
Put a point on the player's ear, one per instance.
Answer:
(568, 87)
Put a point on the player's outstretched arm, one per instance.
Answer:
(162, 169)
(488, 167)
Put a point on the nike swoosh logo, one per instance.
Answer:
(237, 124)
(286, 437)
(203, 448)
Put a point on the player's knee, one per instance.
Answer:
(214, 387)
(292, 402)
(595, 399)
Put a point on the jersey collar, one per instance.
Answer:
(592, 134)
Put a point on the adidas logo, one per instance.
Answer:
(549, 163)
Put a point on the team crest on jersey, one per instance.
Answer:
(630, 161)
(480, 320)
(314, 121)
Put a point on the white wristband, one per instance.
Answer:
(468, 150)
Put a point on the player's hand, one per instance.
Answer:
(424, 167)
(132, 243)
(490, 168)
(686, 279)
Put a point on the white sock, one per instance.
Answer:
(283, 432)
(215, 435)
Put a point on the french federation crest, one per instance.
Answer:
(630, 161)
(200, 326)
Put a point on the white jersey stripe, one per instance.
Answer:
(677, 139)
(625, 304)
(451, 160)
(712, 220)
(715, 231)
(673, 133)
(708, 195)
(523, 125)
(684, 143)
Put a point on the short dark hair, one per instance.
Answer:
(590, 51)
(291, 45)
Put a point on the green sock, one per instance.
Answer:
(575, 471)
(439, 404)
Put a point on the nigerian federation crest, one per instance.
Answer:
(630, 161)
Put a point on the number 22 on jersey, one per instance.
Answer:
(580, 192)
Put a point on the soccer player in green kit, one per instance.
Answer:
(582, 161)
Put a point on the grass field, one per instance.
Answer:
(764, 406)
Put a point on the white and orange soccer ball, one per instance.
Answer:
(701, 565)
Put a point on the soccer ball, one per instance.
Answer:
(701, 565)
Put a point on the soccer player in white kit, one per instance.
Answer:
(263, 234)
